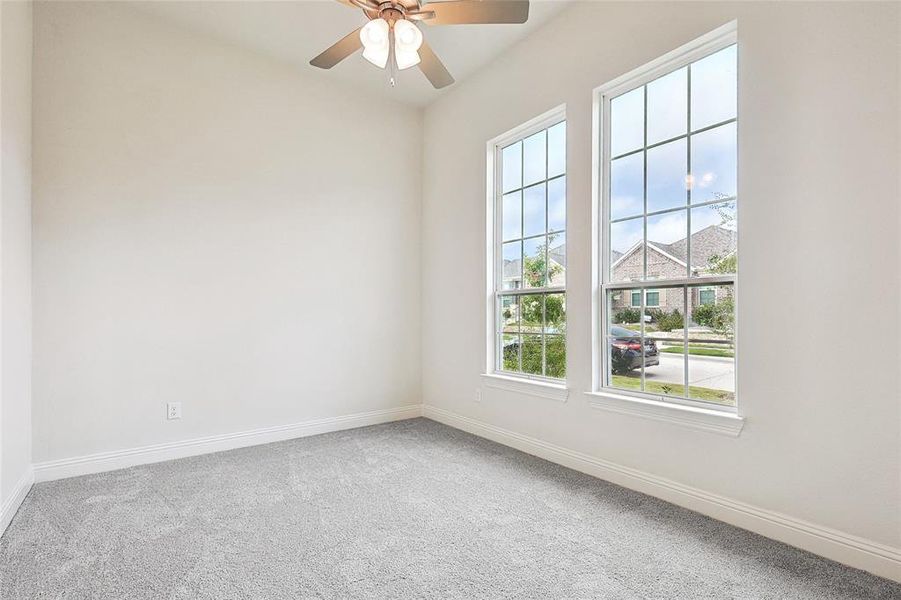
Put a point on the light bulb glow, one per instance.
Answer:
(407, 36)
(374, 37)
(407, 40)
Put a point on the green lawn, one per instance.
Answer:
(633, 382)
(637, 326)
(699, 351)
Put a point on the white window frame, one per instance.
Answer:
(555, 389)
(683, 411)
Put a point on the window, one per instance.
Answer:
(651, 298)
(529, 249)
(668, 227)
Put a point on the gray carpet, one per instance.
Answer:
(404, 510)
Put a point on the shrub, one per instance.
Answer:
(627, 315)
(670, 321)
(555, 356)
(704, 315)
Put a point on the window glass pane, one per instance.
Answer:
(534, 210)
(664, 372)
(555, 313)
(534, 165)
(511, 166)
(627, 186)
(652, 299)
(509, 314)
(624, 356)
(667, 245)
(627, 122)
(556, 148)
(711, 347)
(636, 300)
(714, 157)
(667, 176)
(626, 257)
(512, 216)
(531, 354)
(714, 239)
(555, 356)
(714, 88)
(532, 313)
(532, 325)
(512, 276)
(556, 204)
(510, 348)
(668, 106)
(535, 263)
(706, 297)
(556, 256)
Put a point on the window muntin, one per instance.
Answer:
(669, 221)
(530, 267)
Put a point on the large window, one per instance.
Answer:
(669, 228)
(529, 249)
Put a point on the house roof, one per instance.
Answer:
(513, 269)
(711, 241)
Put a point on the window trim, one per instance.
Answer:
(628, 401)
(494, 235)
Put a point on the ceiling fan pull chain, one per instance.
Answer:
(392, 58)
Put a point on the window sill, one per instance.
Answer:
(710, 420)
(542, 389)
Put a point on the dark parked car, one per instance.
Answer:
(625, 350)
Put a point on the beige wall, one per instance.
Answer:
(214, 228)
(15, 249)
(819, 190)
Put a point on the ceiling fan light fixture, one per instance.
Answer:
(406, 58)
(374, 37)
(407, 36)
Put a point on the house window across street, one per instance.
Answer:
(669, 220)
(530, 252)
(652, 298)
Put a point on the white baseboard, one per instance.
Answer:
(12, 504)
(121, 459)
(847, 549)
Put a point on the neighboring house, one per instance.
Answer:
(666, 261)
(556, 266)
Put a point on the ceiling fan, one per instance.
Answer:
(392, 40)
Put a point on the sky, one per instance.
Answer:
(712, 153)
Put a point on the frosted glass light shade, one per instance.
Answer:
(374, 37)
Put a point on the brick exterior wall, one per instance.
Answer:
(665, 264)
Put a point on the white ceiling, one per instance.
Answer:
(296, 31)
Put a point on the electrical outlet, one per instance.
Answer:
(173, 410)
(478, 397)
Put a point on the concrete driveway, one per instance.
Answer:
(703, 371)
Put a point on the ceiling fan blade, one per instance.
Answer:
(472, 12)
(434, 69)
(346, 46)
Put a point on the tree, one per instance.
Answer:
(722, 317)
(534, 267)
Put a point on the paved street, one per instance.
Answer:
(704, 371)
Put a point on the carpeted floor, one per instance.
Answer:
(411, 509)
